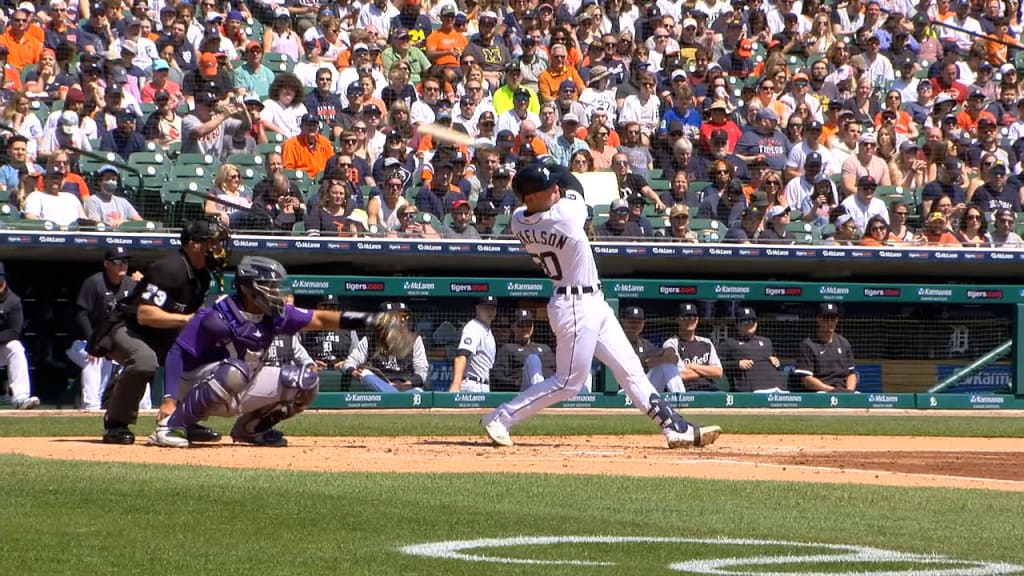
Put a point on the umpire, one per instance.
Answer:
(141, 329)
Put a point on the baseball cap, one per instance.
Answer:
(998, 167)
(679, 210)
(935, 216)
(116, 253)
(986, 122)
(522, 315)
(619, 205)
(68, 122)
(767, 114)
(746, 313)
(129, 46)
(487, 300)
(533, 178)
(688, 310)
(486, 208)
(812, 159)
(523, 93)
(745, 48)
(631, 313)
(566, 85)
(812, 125)
(637, 199)
(160, 64)
(719, 136)
(570, 117)
(74, 95)
(675, 127)
(448, 10)
(460, 203)
(909, 146)
(354, 89)
(777, 211)
(868, 138)
(978, 94)
(1005, 213)
(828, 309)
(867, 181)
(942, 98)
(208, 64)
(952, 165)
(308, 118)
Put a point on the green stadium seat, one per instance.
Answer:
(149, 159)
(33, 225)
(196, 159)
(698, 185)
(191, 171)
(278, 62)
(697, 224)
(241, 160)
(264, 149)
(138, 226)
(654, 174)
(799, 227)
(659, 185)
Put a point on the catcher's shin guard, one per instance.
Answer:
(665, 416)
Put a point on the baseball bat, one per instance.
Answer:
(448, 135)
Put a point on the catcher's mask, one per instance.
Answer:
(209, 229)
(260, 279)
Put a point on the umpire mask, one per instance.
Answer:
(210, 229)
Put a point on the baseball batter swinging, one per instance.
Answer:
(550, 228)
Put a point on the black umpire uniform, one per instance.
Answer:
(176, 284)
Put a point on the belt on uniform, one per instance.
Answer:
(577, 290)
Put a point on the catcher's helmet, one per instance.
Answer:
(209, 228)
(261, 278)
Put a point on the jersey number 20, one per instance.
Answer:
(548, 262)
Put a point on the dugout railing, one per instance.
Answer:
(907, 337)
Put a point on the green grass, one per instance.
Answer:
(629, 422)
(81, 518)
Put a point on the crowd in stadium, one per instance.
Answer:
(873, 123)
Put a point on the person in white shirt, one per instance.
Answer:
(811, 143)
(969, 27)
(863, 205)
(52, 203)
(378, 14)
(643, 108)
(880, 69)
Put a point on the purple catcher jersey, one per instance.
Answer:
(225, 331)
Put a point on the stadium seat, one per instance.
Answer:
(241, 160)
(138, 226)
(23, 224)
(654, 174)
(149, 159)
(191, 171)
(799, 227)
(698, 186)
(704, 224)
(659, 185)
(264, 149)
(197, 159)
(278, 62)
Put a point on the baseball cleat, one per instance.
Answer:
(168, 437)
(26, 403)
(695, 436)
(200, 433)
(496, 431)
(269, 438)
(118, 435)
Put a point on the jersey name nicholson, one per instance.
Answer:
(543, 237)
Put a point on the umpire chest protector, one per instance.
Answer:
(171, 284)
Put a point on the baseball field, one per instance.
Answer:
(581, 493)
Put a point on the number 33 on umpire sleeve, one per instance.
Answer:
(548, 262)
(154, 295)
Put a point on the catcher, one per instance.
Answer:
(219, 358)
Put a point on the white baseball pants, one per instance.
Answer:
(96, 374)
(533, 374)
(585, 327)
(12, 355)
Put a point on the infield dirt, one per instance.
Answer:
(975, 463)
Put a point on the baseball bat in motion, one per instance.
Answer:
(448, 135)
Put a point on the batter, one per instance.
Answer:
(550, 228)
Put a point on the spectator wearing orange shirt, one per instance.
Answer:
(445, 45)
(936, 230)
(309, 150)
(974, 110)
(22, 48)
(551, 79)
(998, 43)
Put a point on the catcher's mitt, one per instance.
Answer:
(393, 334)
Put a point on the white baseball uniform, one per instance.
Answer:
(583, 323)
(477, 342)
